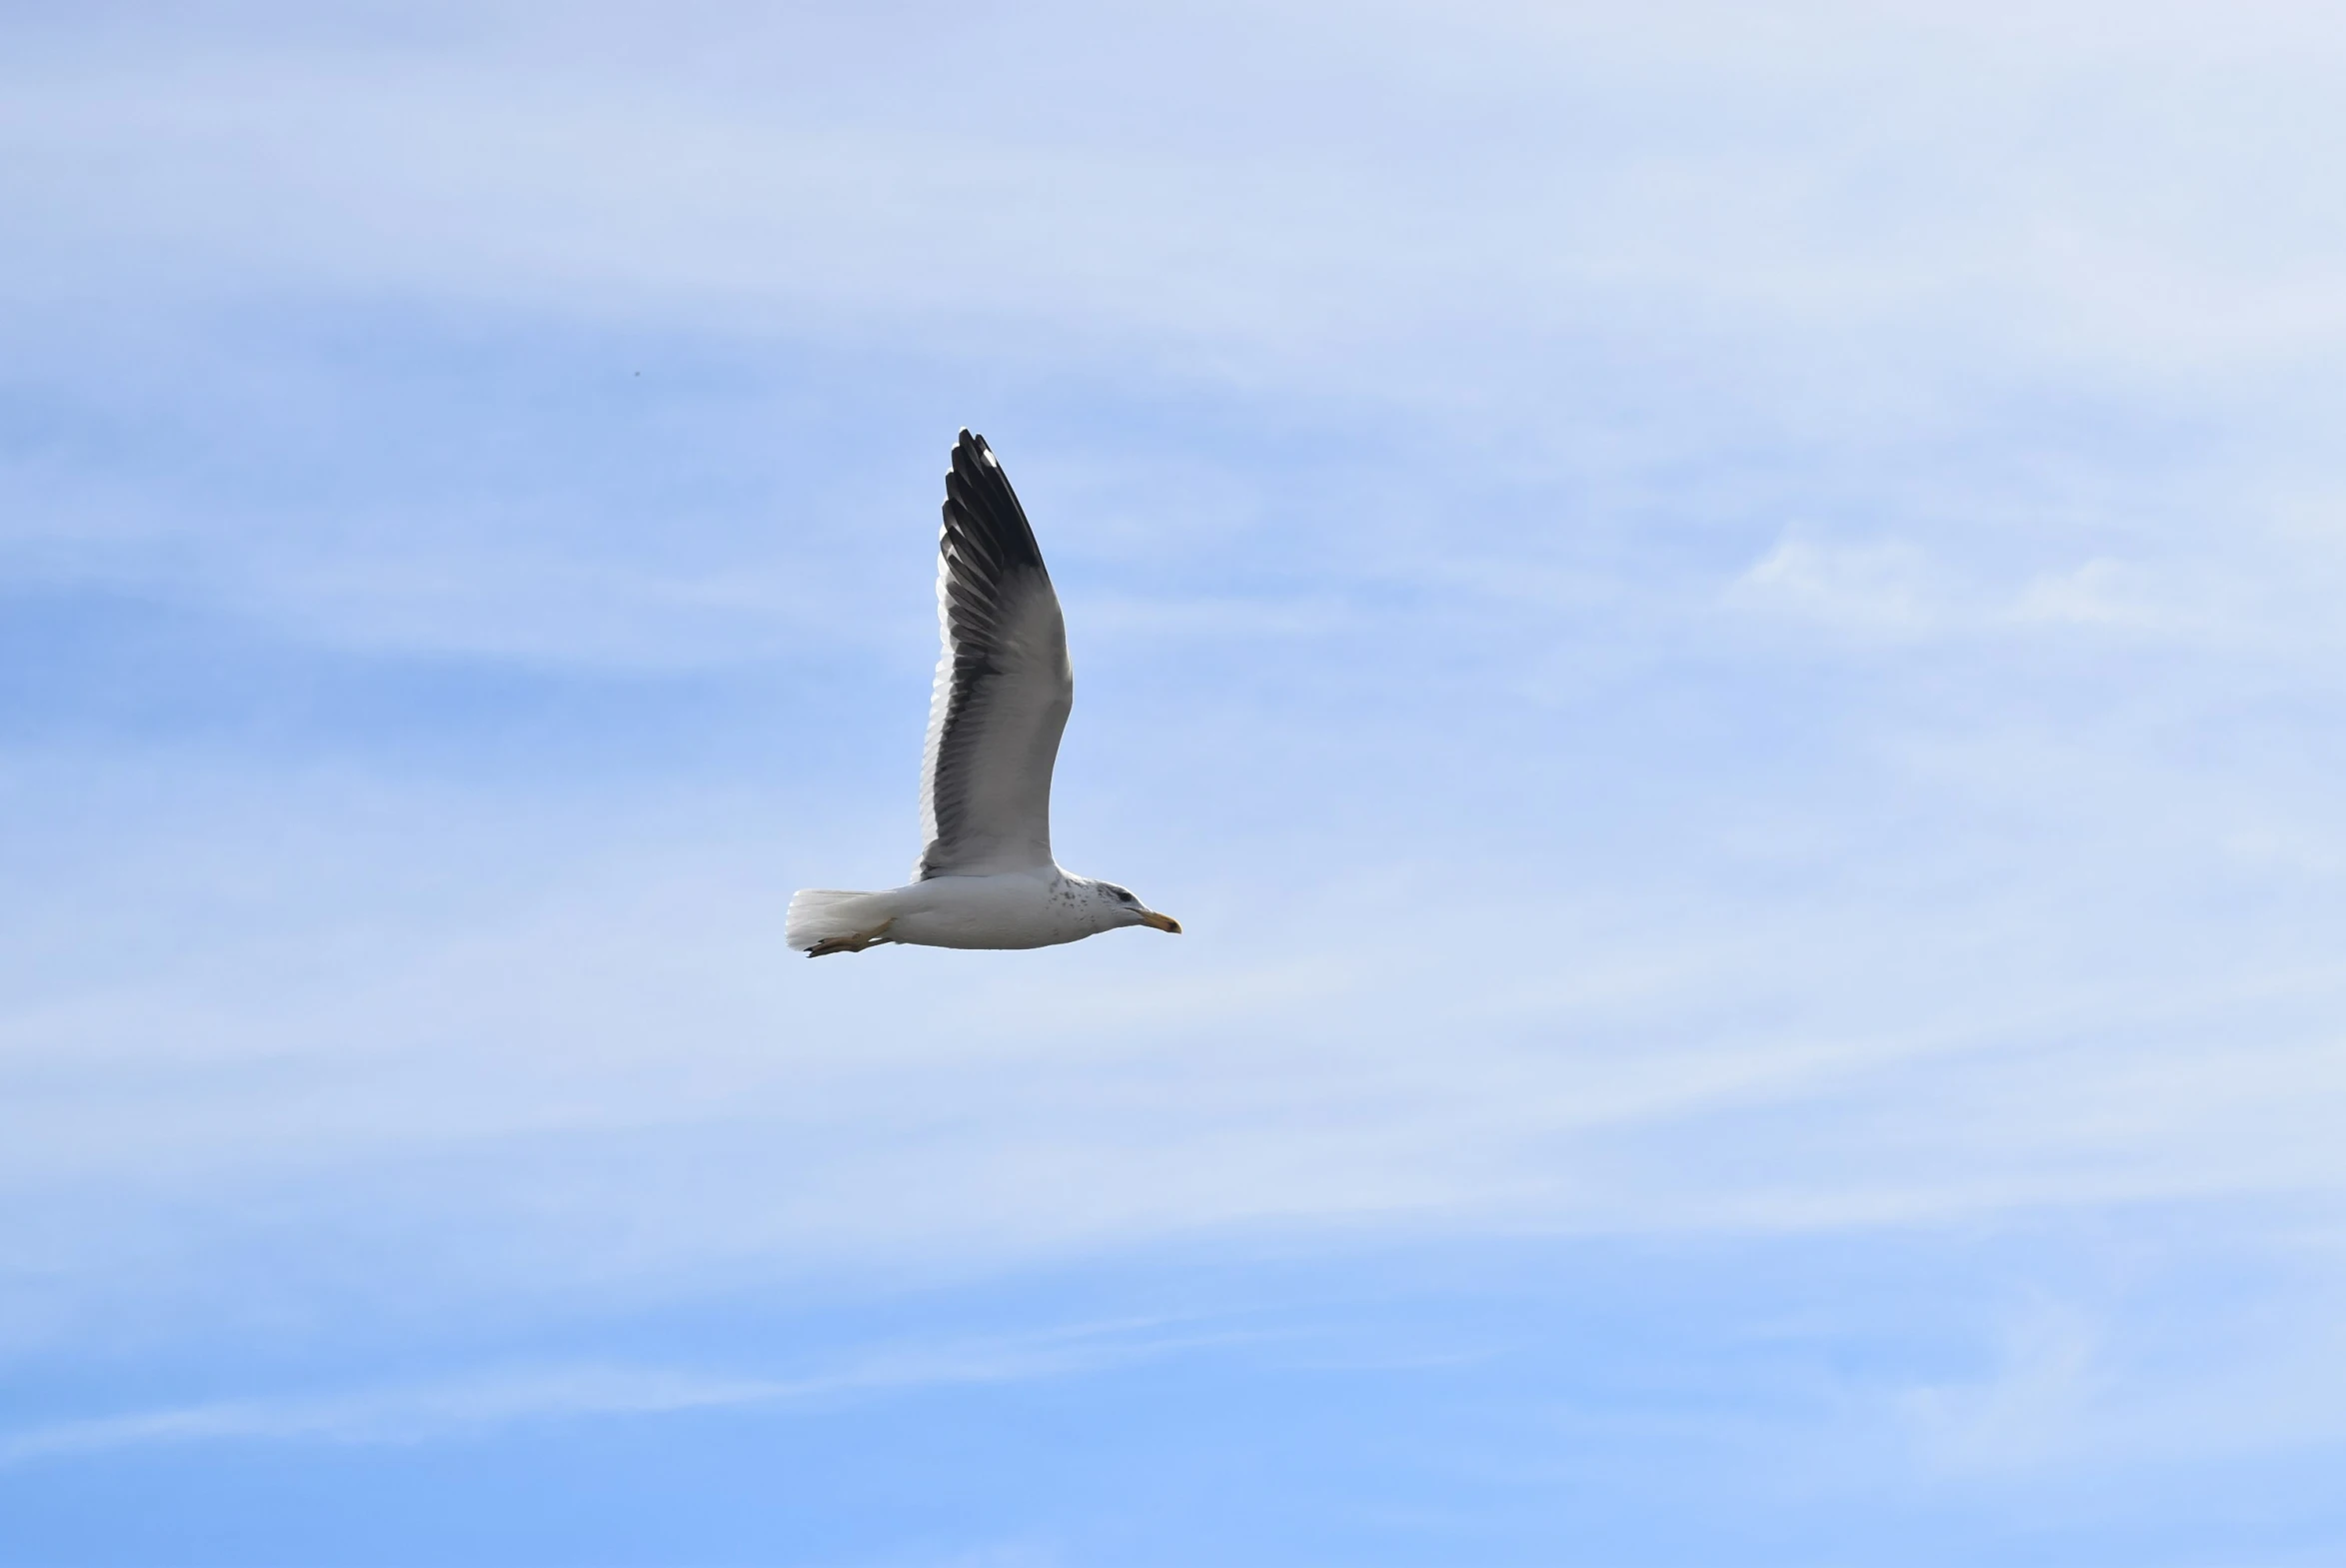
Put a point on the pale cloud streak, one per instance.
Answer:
(437, 1408)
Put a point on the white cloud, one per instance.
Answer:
(1887, 589)
(1928, 173)
(2030, 1408)
(2100, 593)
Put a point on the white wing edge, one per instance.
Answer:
(939, 704)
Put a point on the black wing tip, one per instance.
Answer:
(972, 450)
(986, 500)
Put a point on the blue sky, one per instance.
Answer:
(1722, 627)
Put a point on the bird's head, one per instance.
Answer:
(1122, 908)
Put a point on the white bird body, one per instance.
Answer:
(985, 878)
(1006, 910)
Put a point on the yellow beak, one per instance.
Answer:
(1164, 922)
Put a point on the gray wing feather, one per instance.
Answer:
(1004, 686)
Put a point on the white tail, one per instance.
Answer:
(820, 915)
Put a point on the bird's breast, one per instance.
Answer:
(1014, 910)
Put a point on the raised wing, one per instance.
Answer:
(1004, 686)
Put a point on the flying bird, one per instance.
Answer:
(1004, 690)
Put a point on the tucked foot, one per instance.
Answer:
(854, 943)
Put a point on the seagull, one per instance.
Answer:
(1003, 694)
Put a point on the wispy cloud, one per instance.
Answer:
(2031, 1409)
(1888, 589)
(437, 1408)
